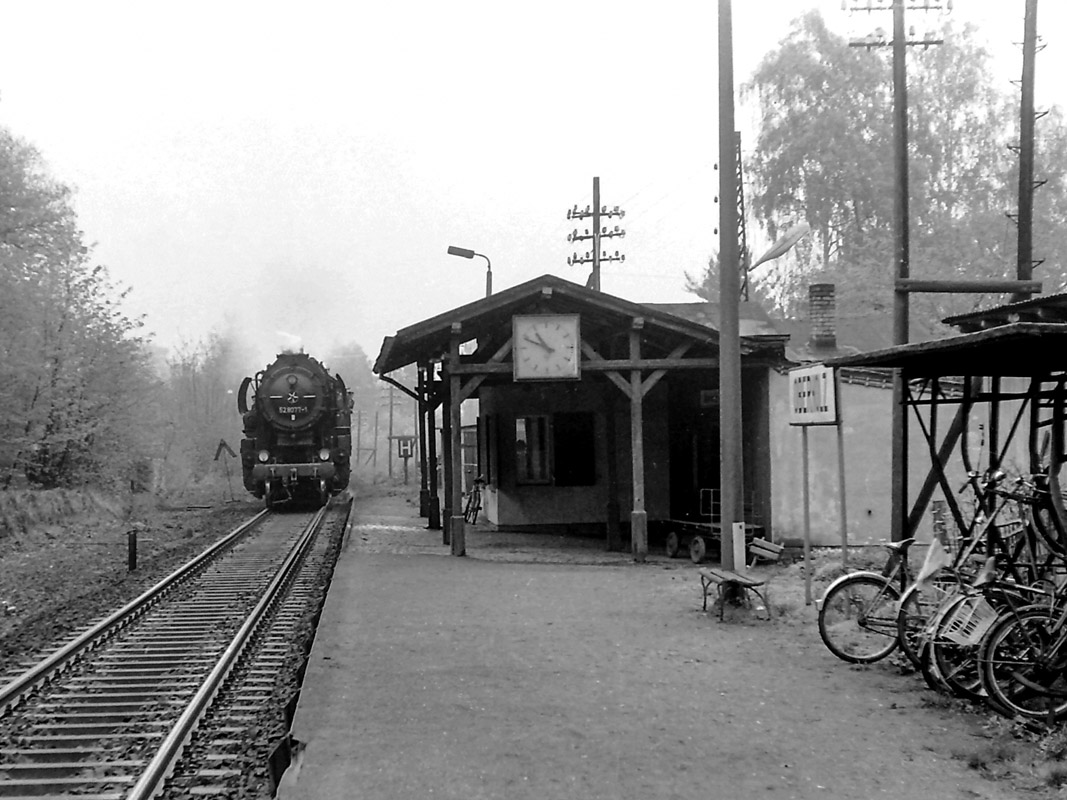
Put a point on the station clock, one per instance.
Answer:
(546, 347)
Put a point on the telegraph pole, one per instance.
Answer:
(1025, 257)
(598, 256)
(731, 458)
(901, 236)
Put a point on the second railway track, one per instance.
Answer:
(112, 714)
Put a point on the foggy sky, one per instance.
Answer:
(303, 168)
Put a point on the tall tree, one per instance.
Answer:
(824, 154)
(72, 369)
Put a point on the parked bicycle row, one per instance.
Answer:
(985, 618)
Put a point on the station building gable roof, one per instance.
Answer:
(604, 317)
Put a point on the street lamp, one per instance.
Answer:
(463, 252)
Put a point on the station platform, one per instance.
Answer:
(539, 667)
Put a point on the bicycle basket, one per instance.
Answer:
(969, 620)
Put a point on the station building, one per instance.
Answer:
(564, 380)
(595, 415)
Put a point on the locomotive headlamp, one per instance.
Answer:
(324, 454)
(263, 456)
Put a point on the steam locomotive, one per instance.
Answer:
(297, 444)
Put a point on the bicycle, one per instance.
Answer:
(1010, 539)
(950, 640)
(858, 614)
(1023, 662)
(474, 501)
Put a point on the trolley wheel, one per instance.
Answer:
(673, 545)
(268, 495)
(697, 549)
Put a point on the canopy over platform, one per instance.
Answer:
(1018, 349)
(1051, 308)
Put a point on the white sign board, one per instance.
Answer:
(812, 396)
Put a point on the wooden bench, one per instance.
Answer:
(725, 581)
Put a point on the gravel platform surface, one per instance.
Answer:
(544, 668)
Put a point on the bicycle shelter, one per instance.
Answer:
(1004, 380)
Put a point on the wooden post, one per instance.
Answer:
(638, 517)
(421, 409)
(374, 463)
(455, 488)
(446, 458)
(359, 437)
(1025, 263)
(131, 550)
(389, 438)
(434, 522)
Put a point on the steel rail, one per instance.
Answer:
(162, 764)
(39, 674)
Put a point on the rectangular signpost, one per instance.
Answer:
(813, 401)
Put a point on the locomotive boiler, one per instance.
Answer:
(297, 444)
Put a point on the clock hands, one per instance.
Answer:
(540, 342)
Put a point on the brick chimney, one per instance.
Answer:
(823, 316)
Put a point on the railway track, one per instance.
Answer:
(176, 694)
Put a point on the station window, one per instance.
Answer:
(574, 449)
(559, 450)
(531, 449)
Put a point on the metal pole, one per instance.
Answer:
(807, 515)
(841, 491)
(730, 455)
(899, 460)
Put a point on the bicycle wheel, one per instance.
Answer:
(1046, 522)
(956, 663)
(917, 607)
(858, 618)
(928, 668)
(1021, 670)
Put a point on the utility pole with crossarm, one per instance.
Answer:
(599, 233)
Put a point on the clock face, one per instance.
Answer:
(546, 347)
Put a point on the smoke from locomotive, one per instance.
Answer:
(297, 443)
